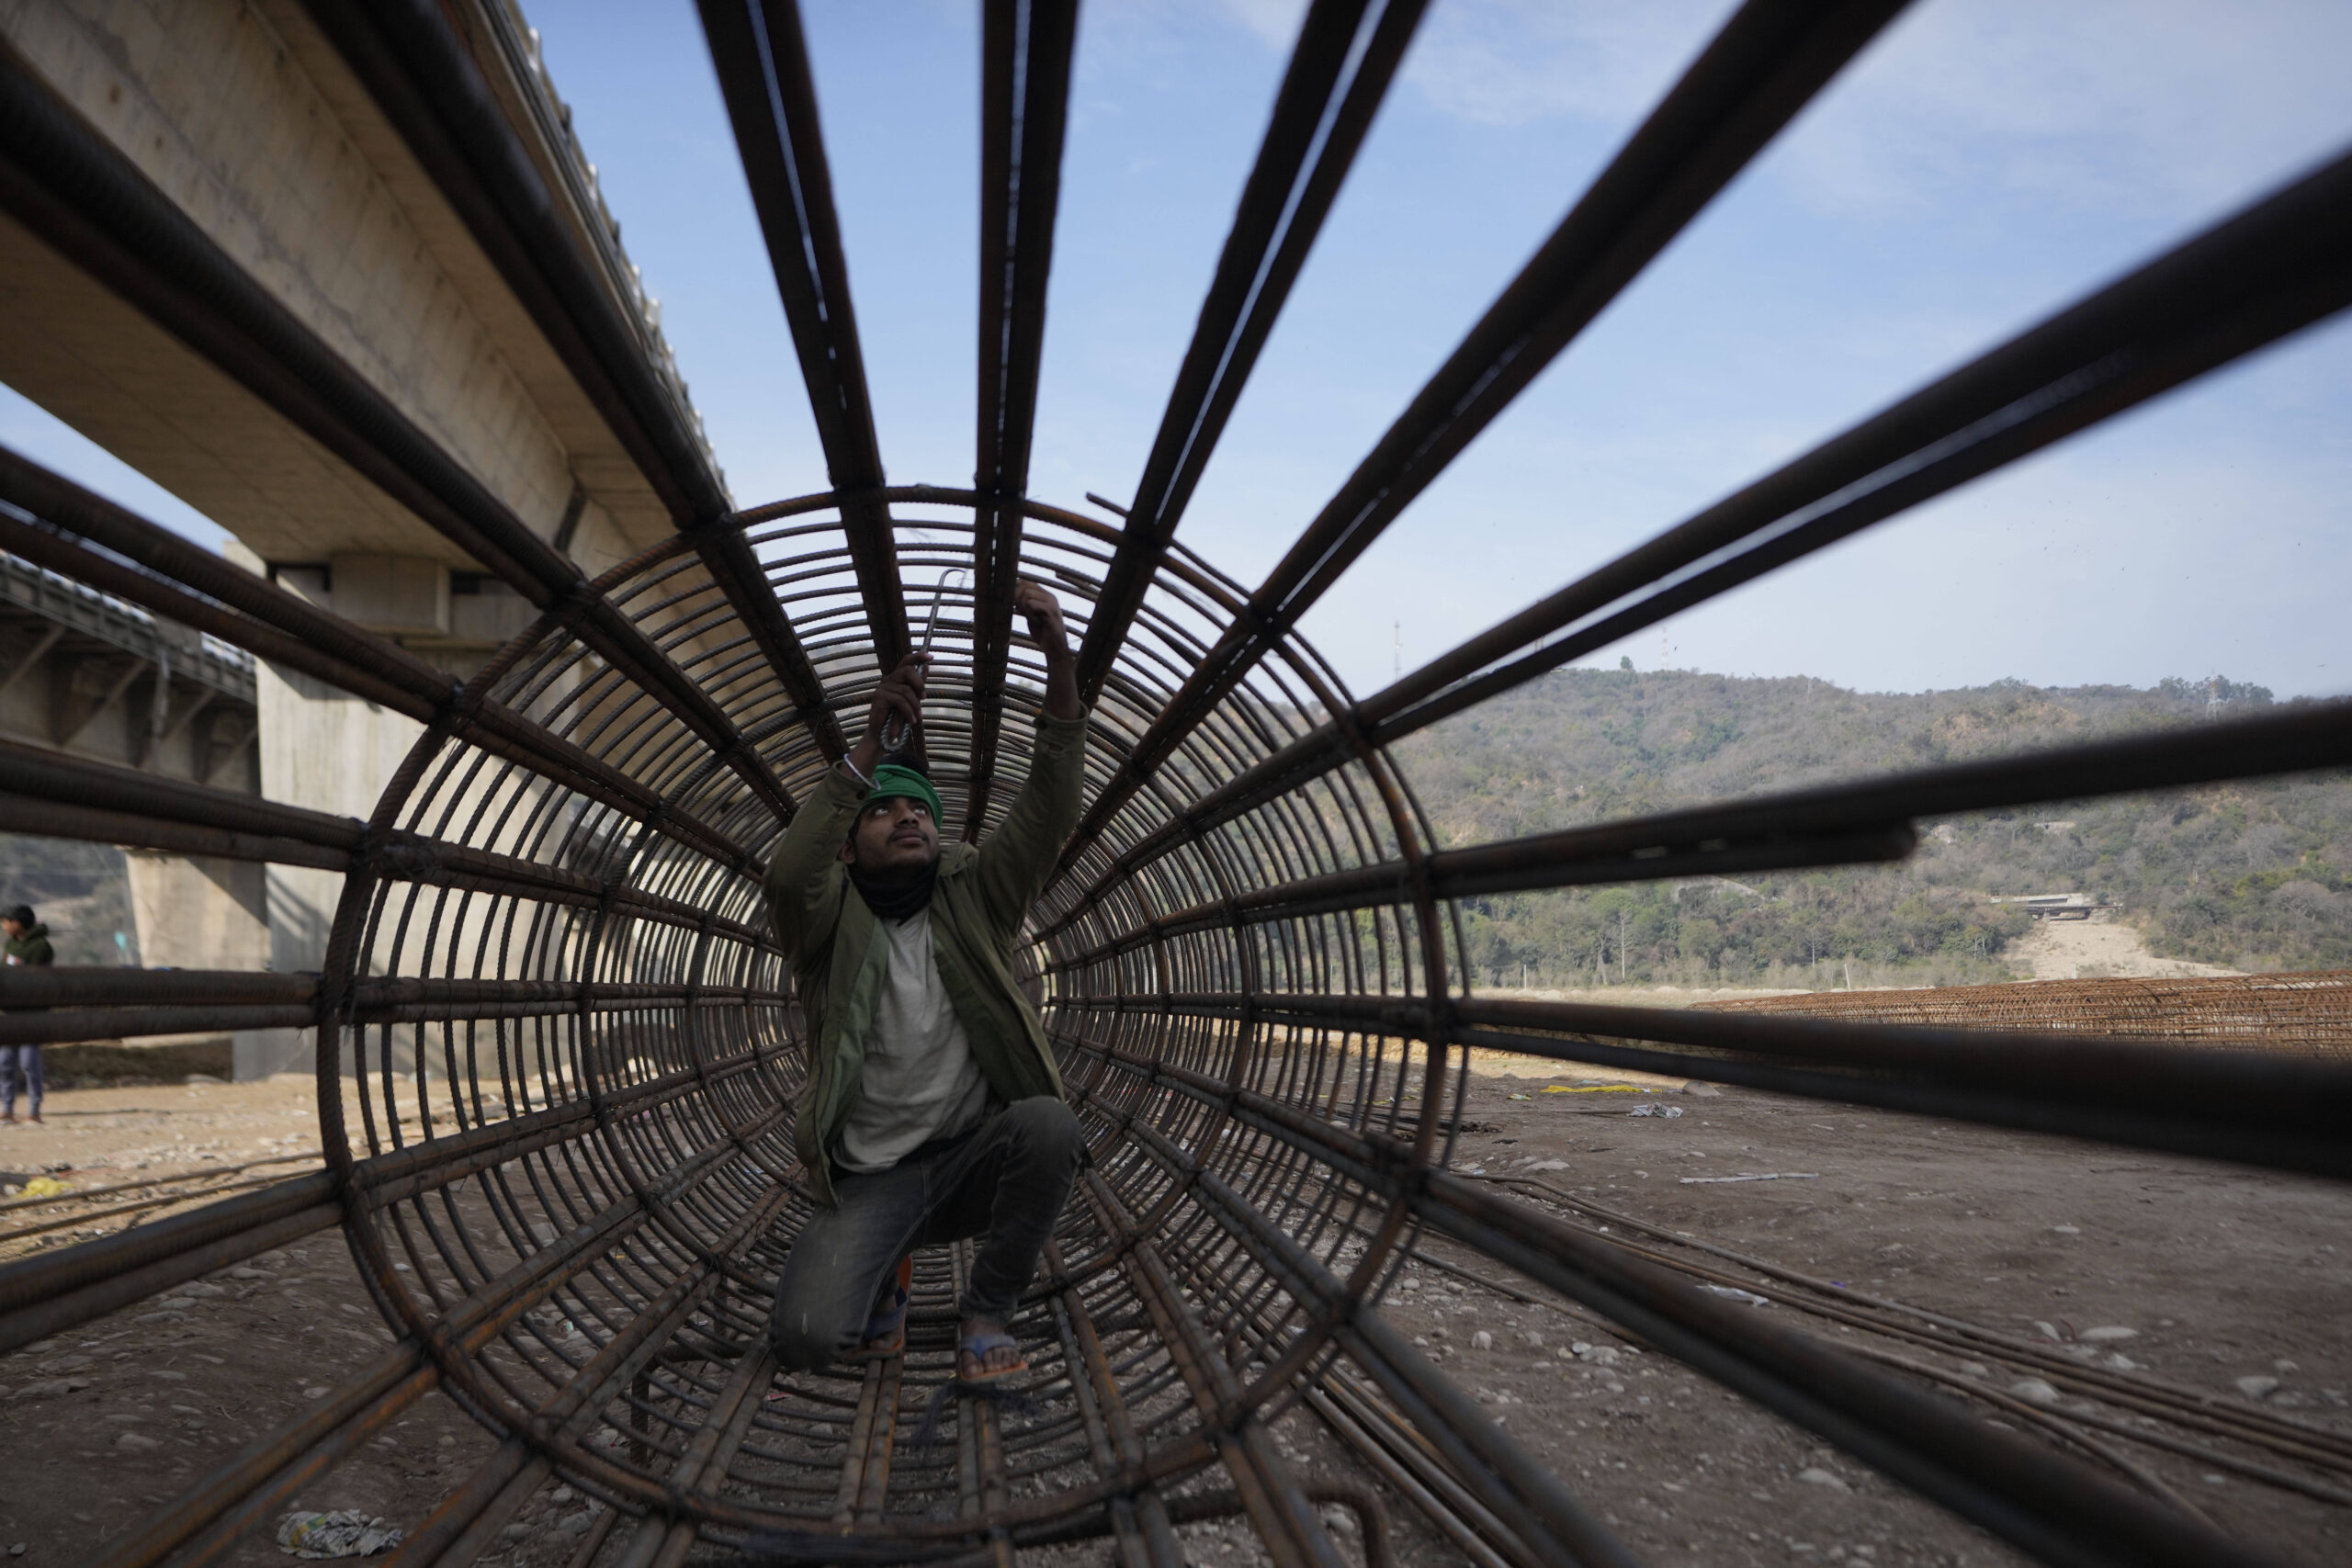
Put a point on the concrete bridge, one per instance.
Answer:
(86, 674)
(390, 199)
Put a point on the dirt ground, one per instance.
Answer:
(2087, 949)
(100, 1424)
(2219, 1274)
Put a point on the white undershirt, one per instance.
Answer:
(920, 1080)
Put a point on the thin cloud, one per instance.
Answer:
(1274, 21)
(2127, 106)
(1515, 62)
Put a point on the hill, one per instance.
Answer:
(2254, 876)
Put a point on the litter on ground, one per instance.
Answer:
(347, 1533)
(1765, 1176)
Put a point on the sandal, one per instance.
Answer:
(886, 1330)
(978, 1346)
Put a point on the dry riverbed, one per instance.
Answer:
(2228, 1283)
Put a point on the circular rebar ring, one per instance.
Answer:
(583, 991)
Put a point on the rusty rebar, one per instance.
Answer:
(551, 982)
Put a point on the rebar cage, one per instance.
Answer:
(572, 1180)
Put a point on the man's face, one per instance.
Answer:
(12, 928)
(893, 839)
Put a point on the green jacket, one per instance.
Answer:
(982, 899)
(31, 948)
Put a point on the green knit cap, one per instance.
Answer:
(892, 782)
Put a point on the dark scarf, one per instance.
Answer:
(897, 900)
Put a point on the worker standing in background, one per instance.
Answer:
(27, 943)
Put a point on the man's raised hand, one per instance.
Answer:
(899, 697)
(1044, 614)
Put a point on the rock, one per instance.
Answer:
(560, 1494)
(577, 1524)
(2122, 1363)
(18, 1549)
(518, 1531)
(247, 1274)
(1410, 1282)
(2257, 1387)
(2282, 1367)
(1976, 1370)
(135, 1442)
(2109, 1334)
(204, 1288)
(1482, 1340)
(2036, 1390)
(2065, 1230)
(1547, 1165)
(1817, 1477)
(2047, 1332)
(319, 1391)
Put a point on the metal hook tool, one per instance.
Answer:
(895, 731)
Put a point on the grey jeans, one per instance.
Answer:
(1006, 1180)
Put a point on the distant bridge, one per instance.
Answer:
(85, 673)
(295, 290)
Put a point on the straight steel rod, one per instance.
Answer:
(72, 797)
(761, 57)
(1321, 114)
(2053, 1506)
(1765, 65)
(1025, 52)
(51, 1291)
(427, 79)
(77, 191)
(165, 574)
(1831, 826)
(2250, 1106)
(2272, 270)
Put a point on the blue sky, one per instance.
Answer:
(1983, 163)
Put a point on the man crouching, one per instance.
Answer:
(934, 1110)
